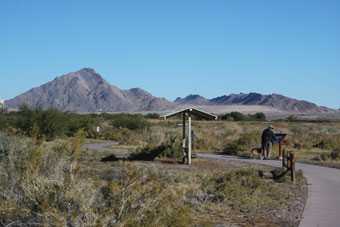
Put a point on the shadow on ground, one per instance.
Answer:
(144, 155)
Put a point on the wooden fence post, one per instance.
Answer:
(289, 160)
(292, 167)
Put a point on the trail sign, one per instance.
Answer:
(280, 137)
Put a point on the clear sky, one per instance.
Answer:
(174, 48)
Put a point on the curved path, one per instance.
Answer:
(103, 146)
(323, 202)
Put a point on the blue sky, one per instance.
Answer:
(174, 48)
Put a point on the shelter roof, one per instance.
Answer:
(193, 111)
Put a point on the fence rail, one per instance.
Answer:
(288, 163)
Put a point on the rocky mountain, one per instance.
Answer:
(194, 100)
(274, 100)
(86, 91)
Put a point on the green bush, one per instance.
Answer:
(172, 146)
(123, 135)
(243, 144)
(49, 123)
(237, 116)
(328, 142)
(169, 149)
(3, 121)
(5, 144)
(129, 121)
(152, 116)
(88, 122)
(52, 123)
(240, 189)
(335, 154)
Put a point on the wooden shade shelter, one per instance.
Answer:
(189, 112)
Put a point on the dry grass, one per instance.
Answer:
(311, 142)
(58, 184)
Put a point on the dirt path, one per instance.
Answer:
(323, 203)
(103, 146)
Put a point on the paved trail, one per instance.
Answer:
(103, 146)
(323, 203)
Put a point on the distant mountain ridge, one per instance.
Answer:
(274, 100)
(86, 91)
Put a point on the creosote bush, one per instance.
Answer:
(235, 190)
(50, 123)
(5, 145)
(243, 144)
(170, 148)
(333, 155)
(129, 121)
(52, 188)
(237, 116)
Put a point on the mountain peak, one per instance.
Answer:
(88, 69)
(193, 99)
(86, 91)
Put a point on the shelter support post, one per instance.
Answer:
(280, 150)
(188, 147)
(183, 145)
(189, 139)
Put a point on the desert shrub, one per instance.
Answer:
(335, 154)
(281, 175)
(130, 121)
(49, 188)
(293, 118)
(152, 116)
(49, 123)
(3, 121)
(243, 144)
(148, 153)
(143, 198)
(86, 122)
(170, 149)
(259, 116)
(5, 144)
(232, 148)
(237, 116)
(240, 189)
(52, 123)
(325, 145)
(121, 135)
(27, 117)
(328, 142)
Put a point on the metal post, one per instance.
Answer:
(189, 139)
(183, 145)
